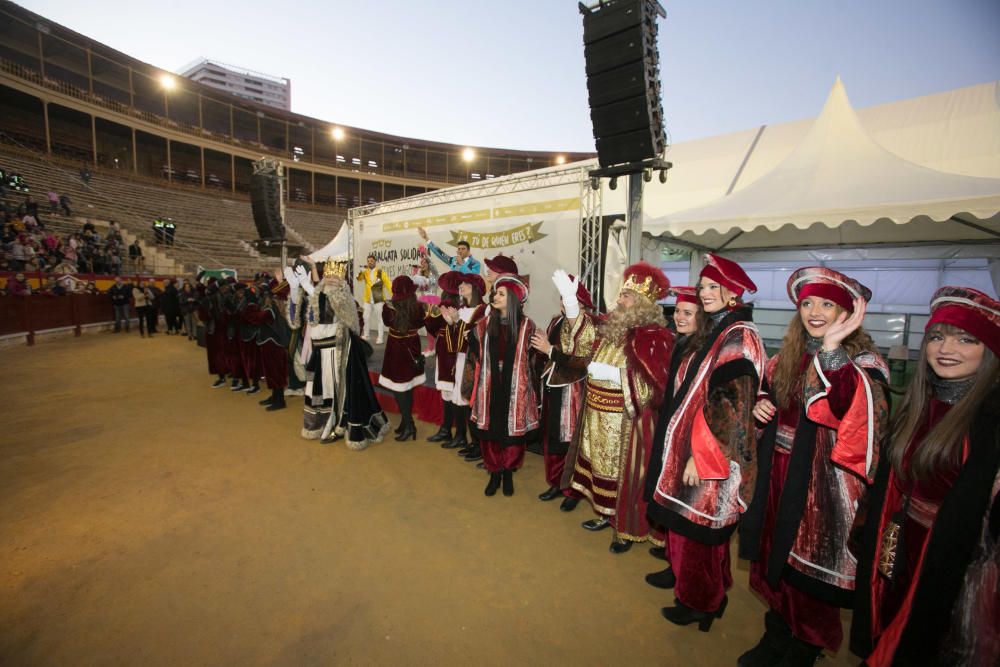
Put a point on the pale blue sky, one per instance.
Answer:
(511, 74)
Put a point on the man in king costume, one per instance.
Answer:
(625, 379)
(339, 396)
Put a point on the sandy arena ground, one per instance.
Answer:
(147, 519)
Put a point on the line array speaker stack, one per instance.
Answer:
(265, 201)
(623, 80)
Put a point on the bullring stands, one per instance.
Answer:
(212, 228)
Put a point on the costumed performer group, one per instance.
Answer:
(684, 435)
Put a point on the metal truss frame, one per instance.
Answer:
(489, 188)
(591, 276)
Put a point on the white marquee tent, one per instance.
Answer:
(339, 248)
(836, 187)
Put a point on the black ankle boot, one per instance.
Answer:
(270, 399)
(772, 646)
(457, 441)
(409, 432)
(476, 454)
(493, 485)
(277, 400)
(508, 482)
(551, 493)
(619, 546)
(662, 579)
(799, 654)
(685, 615)
(443, 435)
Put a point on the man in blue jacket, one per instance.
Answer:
(463, 261)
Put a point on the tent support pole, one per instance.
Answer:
(634, 217)
(730, 240)
(978, 228)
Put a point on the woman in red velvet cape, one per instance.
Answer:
(825, 412)
(928, 568)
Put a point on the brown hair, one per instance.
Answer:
(408, 314)
(477, 297)
(942, 445)
(515, 313)
(702, 327)
(787, 380)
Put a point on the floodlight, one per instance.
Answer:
(337, 133)
(560, 159)
(168, 82)
(468, 155)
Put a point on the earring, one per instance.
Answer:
(733, 302)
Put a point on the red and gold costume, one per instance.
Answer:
(609, 457)
(572, 345)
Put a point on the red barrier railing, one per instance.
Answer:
(35, 313)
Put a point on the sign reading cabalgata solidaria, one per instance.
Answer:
(527, 233)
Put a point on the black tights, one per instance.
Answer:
(462, 413)
(404, 399)
(449, 416)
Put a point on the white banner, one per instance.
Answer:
(539, 229)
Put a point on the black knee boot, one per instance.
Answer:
(277, 399)
(799, 654)
(444, 433)
(493, 484)
(405, 400)
(461, 425)
(772, 646)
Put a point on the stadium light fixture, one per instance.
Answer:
(337, 133)
(560, 159)
(468, 155)
(168, 82)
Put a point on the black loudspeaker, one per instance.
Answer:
(623, 80)
(266, 205)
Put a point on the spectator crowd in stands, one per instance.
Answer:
(27, 244)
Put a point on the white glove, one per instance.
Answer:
(567, 290)
(291, 278)
(602, 371)
(305, 280)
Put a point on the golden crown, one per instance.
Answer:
(647, 287)
(332, 269)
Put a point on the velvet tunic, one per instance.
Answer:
(504, 395)
(402, 351)
(710, 419)
(811, 478)
(908, 621)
